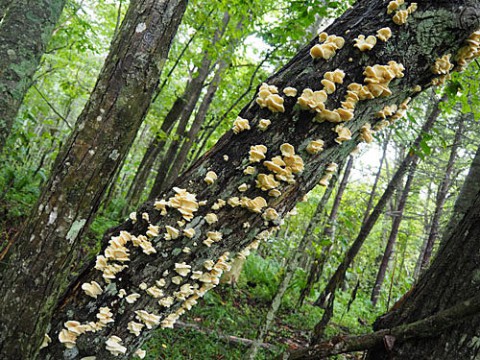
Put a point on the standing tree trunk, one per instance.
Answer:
(25, 30)
(318, 263)
(450, 280)
(289, 125)
(373, 193)
(179, 162)
(327, 298)
(426, 229)
(180, 111)
(290, 268)
(442, 195)
(36, 270)
(392, 239)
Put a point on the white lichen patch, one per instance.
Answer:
(141, 28)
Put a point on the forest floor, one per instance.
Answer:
(216, 328)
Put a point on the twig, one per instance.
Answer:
(52, 107)
(230, 339)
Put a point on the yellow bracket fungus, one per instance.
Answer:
(263, 124)
(313, 100)
(150, 320)
(268, 97)
(344, 134)
(219, 204)
(443, 65)
(257, 153)
(328, 49)
(274, 193)
(315, 146)
(243, 187)
(114, 347)
(266, 182)
(290, 91)
(211, 218)
(185, 202)
(470, 52)
(384, 34)
(249, 170)
(400, 17)
(270, 214)
(135, 327)
(366, 133)
(172, 233)
(240, 125)
(182, 269)
(365, 44)
(210, 177)
(92, 289)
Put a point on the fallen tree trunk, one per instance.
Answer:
(428, 327)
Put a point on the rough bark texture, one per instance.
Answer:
(25, 30)
(327, 297)
(392, 239)
(452, 278)
(442, 195)
(37, 267)
(413, 45)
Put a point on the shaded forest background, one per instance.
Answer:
(222, 52)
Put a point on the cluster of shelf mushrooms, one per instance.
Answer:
(192, 283)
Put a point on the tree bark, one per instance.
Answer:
(293, 126)
(442, 195)
(36, 270)
(392, 239)
(451, 279)
(327, 298)
(25, 31)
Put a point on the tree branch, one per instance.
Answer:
(427, 327)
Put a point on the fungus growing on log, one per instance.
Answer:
(384, 34)
(210, 177)
(92, 289)
(240, 125)
(365, 44)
